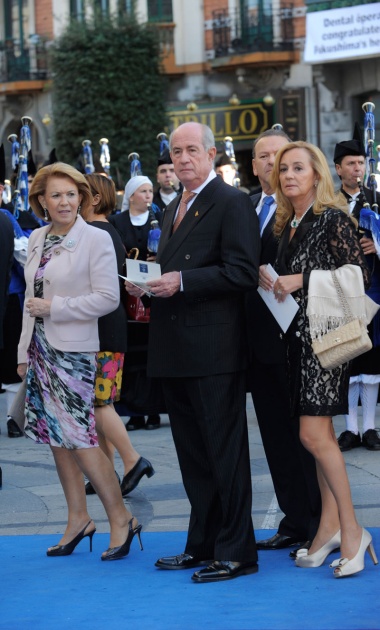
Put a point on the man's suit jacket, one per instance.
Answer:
(200, 331)
(265, 337)
(82, 283)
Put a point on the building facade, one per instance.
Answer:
(238, 65)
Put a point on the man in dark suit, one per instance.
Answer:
(197, 345)
(12, 323)
(291, 466)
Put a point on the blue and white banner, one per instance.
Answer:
(346, 33)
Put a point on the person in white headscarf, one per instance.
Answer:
(134, 221)
(131, 186)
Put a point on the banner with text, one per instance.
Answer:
(346, 33)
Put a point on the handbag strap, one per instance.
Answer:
(133, 253)
(342, 298)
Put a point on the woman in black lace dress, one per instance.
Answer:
(316, 234)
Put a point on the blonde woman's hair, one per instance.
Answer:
(325, 196)
(58, 169)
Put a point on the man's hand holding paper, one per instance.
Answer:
(266, 281)
(139, 274)
(167, 285)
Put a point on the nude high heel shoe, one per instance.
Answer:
(316, 559)
(344, 567)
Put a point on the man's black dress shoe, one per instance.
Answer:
(183, 561)
(348, 440)
(135, 423)
(305, 545)
(153, 422)
(371, 440)
(13, 429)
(278, 541)
(131, 479)
(221, 570)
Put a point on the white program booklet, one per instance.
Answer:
(139, 272)
(283, 312)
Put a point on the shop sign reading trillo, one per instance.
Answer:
(242, 122)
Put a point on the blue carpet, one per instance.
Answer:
(81, 592)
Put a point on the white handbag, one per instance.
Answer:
(344, 343)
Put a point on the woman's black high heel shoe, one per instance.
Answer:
(116, 553)
(131, 479)
(89, 488)
(66, 550)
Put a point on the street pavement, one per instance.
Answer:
(32, 500)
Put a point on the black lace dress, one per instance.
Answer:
(325, 241)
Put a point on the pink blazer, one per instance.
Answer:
(82, 283)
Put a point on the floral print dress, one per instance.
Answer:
(60, 385)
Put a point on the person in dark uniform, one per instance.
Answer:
(6, 259)
(23, 226)
(349, 159)
(134, 225)
(169, 186)
(6, 251)
(134, 222)
(225, 168)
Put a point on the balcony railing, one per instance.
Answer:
(258, 29)
(23, 63)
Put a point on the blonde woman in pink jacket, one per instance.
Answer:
(71, 281)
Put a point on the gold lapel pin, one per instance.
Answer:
(196, 214)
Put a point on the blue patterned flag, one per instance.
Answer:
(15, 151)
(369, 139)
(164, 142)
(370, 220)
(20, 198)
(87, 157)
(135, 164)
(105, 157)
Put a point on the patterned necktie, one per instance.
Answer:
(265, 210)
(186, 196)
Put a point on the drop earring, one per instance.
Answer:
(46, 215)
(79, 209)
